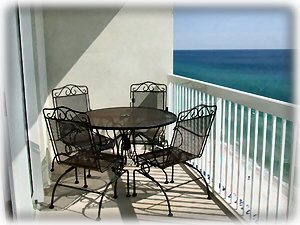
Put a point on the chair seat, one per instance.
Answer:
(82, 139)
(147, 135)
(88, 160)
(165, 157)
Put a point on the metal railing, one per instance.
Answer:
(249, 160)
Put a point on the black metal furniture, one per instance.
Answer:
(148, 94)
(153, 95)
(76, 97)
(72, 96)
(69, 131)
(188, 142)
(127, 120)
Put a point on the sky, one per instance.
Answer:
(207, 28)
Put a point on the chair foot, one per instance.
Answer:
(51, 206)
(76, 182)
(166, 182)
(134, 194)
(208, 197)
(85, 186)
(52, 170)
(172, 181)
(98, 219)
(115, 196)
(128, 195)
(89, 176)
(170, 214)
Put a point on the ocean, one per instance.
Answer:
(263, 72)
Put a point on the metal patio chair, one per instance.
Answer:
(188, 142)
(153, 95)
(76, 97)
(72, 96)
(73, 149)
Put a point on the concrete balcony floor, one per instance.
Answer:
(188, 201)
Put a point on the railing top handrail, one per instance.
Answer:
(275, 107)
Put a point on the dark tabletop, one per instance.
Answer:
(127, 118)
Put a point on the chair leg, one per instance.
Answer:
(172, 175)
(84, 176)
(89, 174)
(134, 188)
(158, 184)
(52, 167)
(103, 194)
(166, 175)
(116, 185)
(55, 186)
(115, 190)
(76, 176)
(128, 192)
(206, 184)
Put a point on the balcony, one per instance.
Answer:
(250, 158)
(246, 187)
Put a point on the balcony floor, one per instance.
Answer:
(188, 201)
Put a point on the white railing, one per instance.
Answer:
(249, 159)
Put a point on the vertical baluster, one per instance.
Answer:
(171, 103)
(180, 99)
(212, 146)
(217, 150)
(186, 92)
(223, 142)
(195, 99)
(247, 160)
(198, 103)
(269, 196)
(240, 155)
(292, 169)
(228, 149)
(205, 150)
(176, 99)
(191, 90)
(281, 168)
(208, 148)
(233, 151)
(261, 182)
(254, 161)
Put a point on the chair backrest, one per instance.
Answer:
(72, 96)
(69, 131)
(192, 129)
(148, 94)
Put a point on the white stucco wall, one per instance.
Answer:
(136, 45)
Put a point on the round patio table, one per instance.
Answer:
(130, 118)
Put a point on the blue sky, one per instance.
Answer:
(209, 28)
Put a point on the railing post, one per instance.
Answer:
(217, 146)
(291, 195)
(170, 102)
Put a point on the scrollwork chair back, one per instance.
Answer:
(72, 96)
(148, 94)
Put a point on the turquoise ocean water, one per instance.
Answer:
(263, 72)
